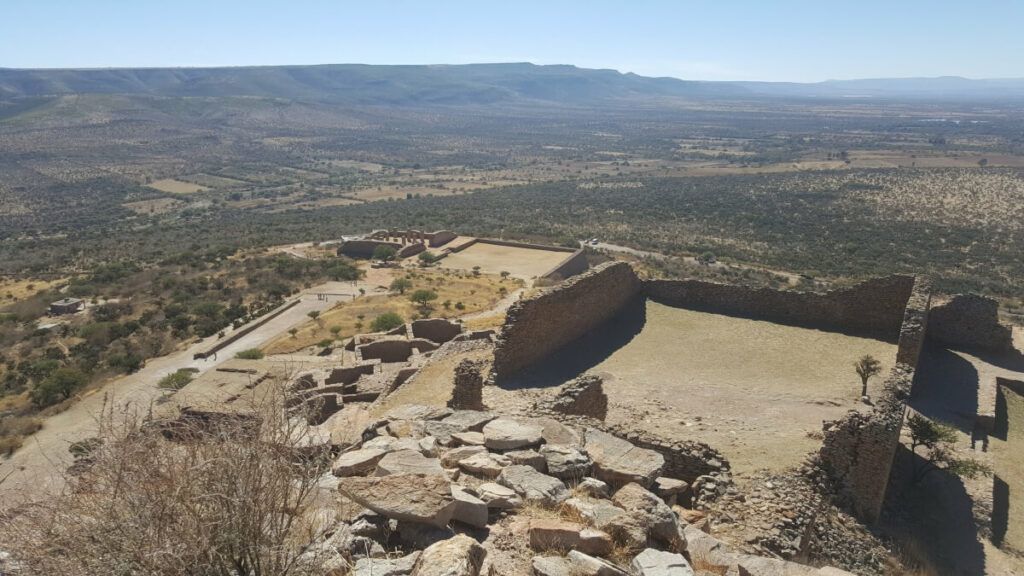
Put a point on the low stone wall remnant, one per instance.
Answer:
(469, 387)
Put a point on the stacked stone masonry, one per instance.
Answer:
(537, 327)
(970, 321)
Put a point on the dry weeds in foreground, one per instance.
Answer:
(217, 497)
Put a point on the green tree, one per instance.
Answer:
(426, 258)
(400, 285)
(59, 385)
(422, 298)
(937, 442)
(315, 315)
(386, 321)
(384, 253)
(250, 354)
(866, 367)
(335, 330)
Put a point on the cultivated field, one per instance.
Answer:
(176, 186)
(494, 259)
(755, 390)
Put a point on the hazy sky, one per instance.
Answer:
(714, 40)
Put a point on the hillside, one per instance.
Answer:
(470, 84)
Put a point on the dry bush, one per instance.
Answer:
(14, 430)
(218, 497)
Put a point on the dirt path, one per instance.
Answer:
(36, 467)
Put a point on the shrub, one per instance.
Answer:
(233, 499)
(175, 380)
(250, 354)
(386, 321)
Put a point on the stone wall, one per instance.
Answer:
(364, 248)
(685, 459)
(411, 250)
(858, 450)
(970, 321)
(571, 266)
(389, 351)
(872, 308)
(441, 237)
(536, 327)
(436, 329)
(583, 396)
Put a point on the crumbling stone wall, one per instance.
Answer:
(536, 327)
(441, 237)
(583, 396)
(436, 329)
(469, 386)
(350, 374)
(364, 248)
(393, 350)
(872, 308)
(858, 450)
(970, 321)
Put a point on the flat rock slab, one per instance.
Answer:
(408, 462)
(468, 508)
(653, 562)
(585, 565)
(566, 462)
(424, 498)
(358, 462)
(498, 496)
(508, 434)
(468, 438)
(533, 486)
(549, 534)
(451, 458)
(619, 462)
(470, 420)
(418, 412)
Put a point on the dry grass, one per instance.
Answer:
(476, 293)
(221, 498)
(12, 291)
(494, 259)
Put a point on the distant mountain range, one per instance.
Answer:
(475, 84)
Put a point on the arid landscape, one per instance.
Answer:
(741, 294)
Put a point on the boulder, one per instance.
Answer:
(554, 432)
(484, 465)
(619, 462)
(456, 556)
(598, 512)
(585, 565)
(498, 496)
(404, 497)
(565, 462)
(653, 562)
(653, 513)
(386, 566)
(451, 457)
(408, 462)
(533, 486)
(442, 430)
(592, 487)
(469, 509)
(357, 462)
(508, 434)
(547, 534)
(668, 489)
(346, 426)
(530, 458)
(551, 566)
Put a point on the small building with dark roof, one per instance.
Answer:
(66, 306)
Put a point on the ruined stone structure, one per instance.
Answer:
(435, 329)
(536, 327)
(575, 264)
(970, 321)
(584, 396)
(872, 308)
(364, 248)
(469, 387)
(394, 350)
(858, 451)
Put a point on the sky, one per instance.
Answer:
(781, 40)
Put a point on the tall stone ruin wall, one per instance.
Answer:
(872, 308)
(571, 266)
(858, 450)
(970, 321)
(536, 327)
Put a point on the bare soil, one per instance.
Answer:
(494, 259)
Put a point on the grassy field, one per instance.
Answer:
(494, 259)
(176, 186)
(12, 291)
(476, 293)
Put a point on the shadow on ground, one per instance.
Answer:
(946, 388)
(584, 353)
(933, 521)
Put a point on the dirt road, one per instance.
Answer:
(35, 468)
